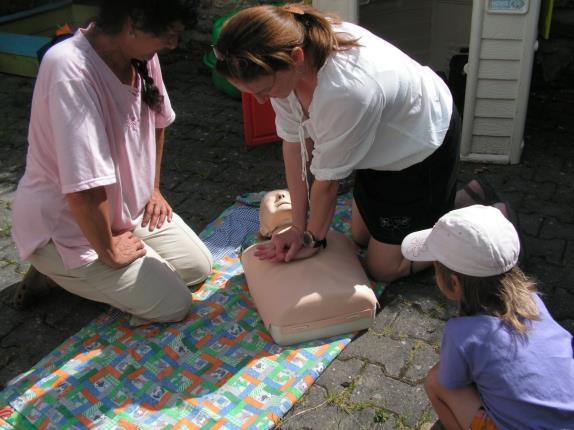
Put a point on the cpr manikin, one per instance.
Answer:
(321, 296)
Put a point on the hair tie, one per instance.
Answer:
(218, 54)
(293, 8)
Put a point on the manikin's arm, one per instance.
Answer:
(90, 210)
(157, 210)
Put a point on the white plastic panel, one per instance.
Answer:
(491, 108)
(492, 145)
(492, 127)
(504, 27)
(499, 69)
(500, 49)
(496, 89)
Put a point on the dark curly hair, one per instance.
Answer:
(150, 16)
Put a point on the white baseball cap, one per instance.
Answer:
(476, 240)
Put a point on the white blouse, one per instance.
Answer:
(373, 108)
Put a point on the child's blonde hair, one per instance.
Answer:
(507, 296)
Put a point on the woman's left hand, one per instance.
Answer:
(157, 211)
(283, 247)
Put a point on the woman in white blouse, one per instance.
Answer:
(347, 101)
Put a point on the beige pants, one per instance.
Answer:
(152, 288)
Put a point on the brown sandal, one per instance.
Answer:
(488, 191)
(512, 216)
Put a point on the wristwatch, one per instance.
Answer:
(309, 241)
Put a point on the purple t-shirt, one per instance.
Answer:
(525, 382)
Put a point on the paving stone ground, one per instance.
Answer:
(376, 382)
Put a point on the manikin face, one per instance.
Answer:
(275, 210)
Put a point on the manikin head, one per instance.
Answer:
(275, 211)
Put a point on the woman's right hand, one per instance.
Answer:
(126, 248)
(283, 247)
(91, 211)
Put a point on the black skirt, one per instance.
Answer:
(396, 203)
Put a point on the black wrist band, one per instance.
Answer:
(309, 240)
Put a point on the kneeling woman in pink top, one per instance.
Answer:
(88, 212)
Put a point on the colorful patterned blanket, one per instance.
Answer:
(218, 369)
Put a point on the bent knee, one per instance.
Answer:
(176, 309)
(386, 274)
(176, 315)
(198, 269)
(385, 262)
(360, 236)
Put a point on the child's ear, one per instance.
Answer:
(456, 286)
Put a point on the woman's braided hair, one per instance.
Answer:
(150, 93)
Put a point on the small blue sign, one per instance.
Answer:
(507, 6)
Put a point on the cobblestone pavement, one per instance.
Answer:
(376, 382)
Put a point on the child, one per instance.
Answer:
(504, 363)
